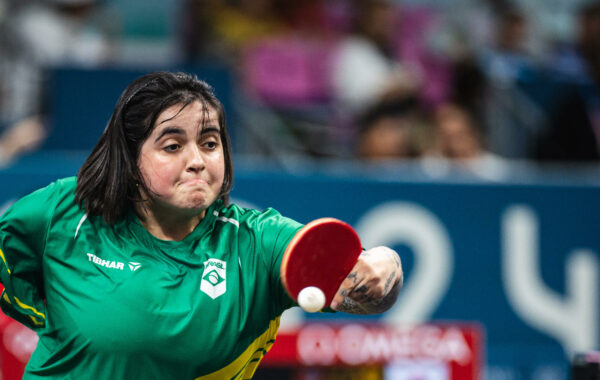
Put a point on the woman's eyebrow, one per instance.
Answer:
(210, 129)
(170, 131)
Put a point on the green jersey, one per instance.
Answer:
(114, 302)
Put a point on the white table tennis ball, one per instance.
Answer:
(311, 299)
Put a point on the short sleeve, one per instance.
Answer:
(276, 232)
(23, 231)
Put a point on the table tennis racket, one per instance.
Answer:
(320, 255)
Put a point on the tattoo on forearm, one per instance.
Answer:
(362, 303)
(388, 282)
(359, 294)
(395, 258)
(348, 305)
(361, 289)
(366, 304)
(353, 276)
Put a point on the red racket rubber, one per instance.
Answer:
(321, 254)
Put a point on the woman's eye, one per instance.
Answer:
(172, 148)
(211, 144)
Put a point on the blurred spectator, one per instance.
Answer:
(424, 43)
(365, 69)
(390, 130)
(469, 87)
(309, 17)
(509, 59)
(39, 36)
(214, 29)
(579, 60)
(455, 134)
(512, 117)
(456, 137)
(196, 30)
(573, 133)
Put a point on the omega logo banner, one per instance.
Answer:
(440, 351)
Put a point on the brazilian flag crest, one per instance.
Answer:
(213, 278)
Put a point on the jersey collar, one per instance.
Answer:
(205, 226)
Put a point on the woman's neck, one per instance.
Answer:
(167, 225)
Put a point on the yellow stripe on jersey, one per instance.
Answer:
(35, 321)
(4, 259)
(23, 306)
(27, 307)
(244, 366)
(5, 296)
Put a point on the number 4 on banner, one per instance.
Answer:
(573, 318)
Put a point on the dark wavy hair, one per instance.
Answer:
(109, 181)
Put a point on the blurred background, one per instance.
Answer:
(463, 133)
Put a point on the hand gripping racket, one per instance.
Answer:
(320, 255)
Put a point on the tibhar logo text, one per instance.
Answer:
(105, 263)
(134, 266)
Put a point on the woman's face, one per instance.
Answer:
(182, 161)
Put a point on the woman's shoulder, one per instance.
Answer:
(36, 210)
(67, 184)
(57, 190)
(249, 216)
(243, 212)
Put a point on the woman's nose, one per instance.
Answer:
(195, 158)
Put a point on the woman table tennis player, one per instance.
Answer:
(140, 269)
